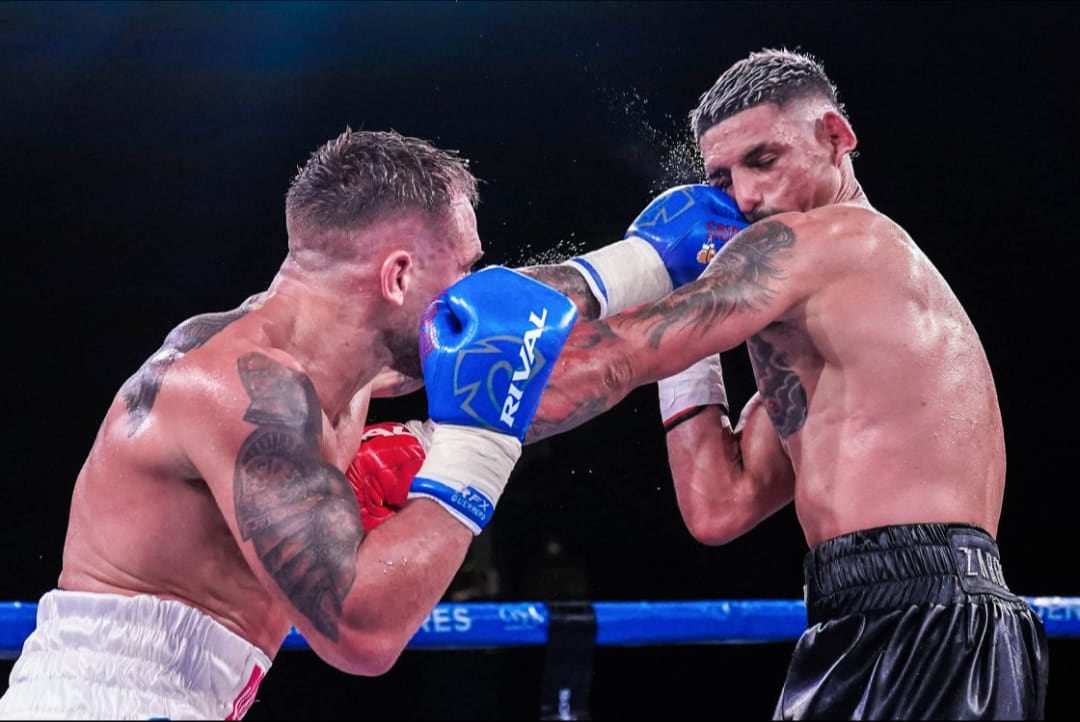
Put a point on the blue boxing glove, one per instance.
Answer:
(667, 246)
(488, 345)
(686, 226)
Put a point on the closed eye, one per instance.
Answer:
(720, 179)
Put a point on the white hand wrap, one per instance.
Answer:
(623, 275)
(465, 470)
(699, 385)
(422, 430)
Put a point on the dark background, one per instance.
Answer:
(145, 152)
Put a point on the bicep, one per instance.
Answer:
(764, 457)
(749, 284)
(292, 512)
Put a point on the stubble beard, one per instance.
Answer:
(405, 353)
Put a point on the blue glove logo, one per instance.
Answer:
(487, 344)
(503, 384)
(677, 202)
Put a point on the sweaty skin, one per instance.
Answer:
(875, 404)
(216, 477)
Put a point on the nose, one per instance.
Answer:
(745, 192)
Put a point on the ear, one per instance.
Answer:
(395, 276)
(838, 134)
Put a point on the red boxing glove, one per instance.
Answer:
(382, 470)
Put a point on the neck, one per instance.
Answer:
(334, 340)
(850, 191)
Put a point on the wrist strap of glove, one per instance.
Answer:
(465, 470)
(623, 275)
(686, 394)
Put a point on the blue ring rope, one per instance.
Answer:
(495, 624)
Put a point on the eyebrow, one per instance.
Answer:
(748, 156)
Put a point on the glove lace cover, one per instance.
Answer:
(466, 470)
(634, 274)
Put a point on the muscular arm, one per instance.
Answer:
(748, 285)
(570, 283)
(297, 522)
(728, 481)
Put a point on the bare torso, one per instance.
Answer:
(871, 373)
(142, 520)
(880, 391)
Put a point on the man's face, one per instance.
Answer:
(448, 252)
(772, 160)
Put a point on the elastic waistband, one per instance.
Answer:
(158, 649)
(896, 566)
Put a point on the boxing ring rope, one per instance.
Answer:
(495, 624)
(570, 631)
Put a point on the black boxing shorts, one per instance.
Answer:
(914, 622)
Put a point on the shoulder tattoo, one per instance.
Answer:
(141, 390)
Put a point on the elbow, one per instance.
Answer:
(367, 653)
(377, 660)
(714, 526)
(708, 532)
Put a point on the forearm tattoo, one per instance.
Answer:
(583, 386)
(594, 372)
(740, 279)
(297, 509)
(141, 390)
(781, 389)
(569, 282)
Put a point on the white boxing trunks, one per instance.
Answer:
(107, 656)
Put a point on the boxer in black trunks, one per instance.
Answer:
(876, 410)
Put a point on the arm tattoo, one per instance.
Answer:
(568, 401)
(740, 279)
(588, 381)
(570, 283)
(141, 390)
(296, 508)
(566, 417)
(781, 389)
